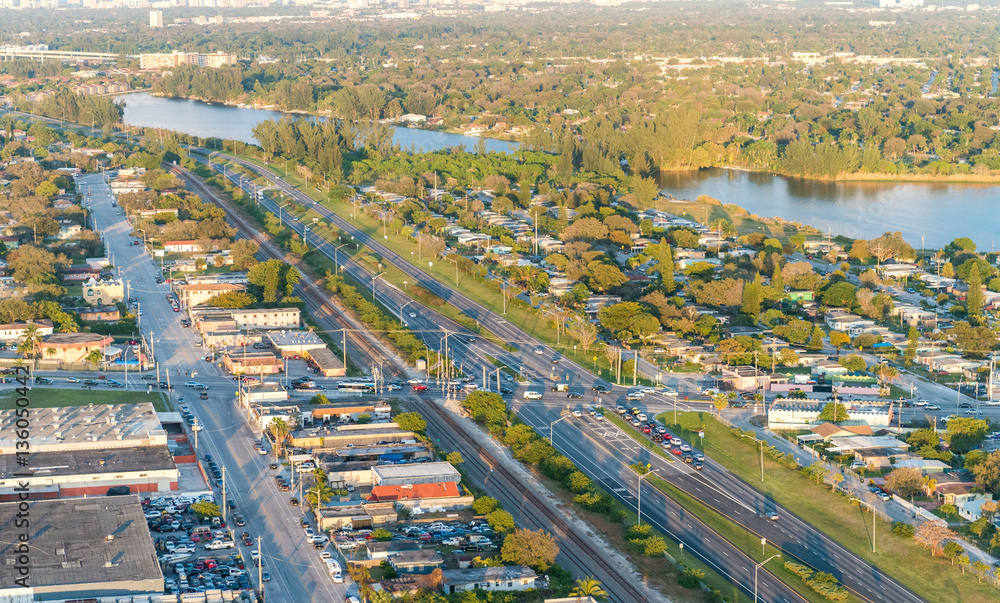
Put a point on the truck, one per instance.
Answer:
(560, 387)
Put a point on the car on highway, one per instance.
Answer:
(932, 407)
(669, 391)
(532, 395)
(574, 395)
(247, 541)
(203, 396)
(698, 465)
(772, 515)
(634, 396)
(191, 384)
(539, 350)
(920, 403)
(413, 314)
(72, 380)
(418, 387)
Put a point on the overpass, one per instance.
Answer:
(9, 54)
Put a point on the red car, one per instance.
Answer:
(646, 429)
(419, 387)
(211, 564)
(676, 450)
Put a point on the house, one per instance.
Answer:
(193, 295)
(924, 465)
(97, 313)
(69, 231)
(384, 550)
(99, 293)
(951, 486)
(828, 431)
(74, 347)
(852, 324)
(355, 515)
(14, 331)
(181, 246)
(741, 378)
(503, 578)
(81, 273)
(416, 562)
(970, 505)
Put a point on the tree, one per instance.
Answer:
(604, 277)
(834, 412)
(952, 550)
(536, 549)
(753, 297)
(627, 319)
(280, 429)
(500, 521)
(205, 509)
(583, 331)
(665, 265)
(854, 363)
(933, 535)
(588, 587)
(905, 481)
(965, 433)
(363, 578)
(232, 299)
(839, 340)
(455, 458)
(411, 421)
(815, 340)
(974, 298)
(267, 276)
(910, 353)
(319, 492)
(30, 341)
(484, 505)
(486, 408)
(95, 357)
(980, 568)
(842, 294)
(948, 509)
(33, 266)
(244, 254)
(988, 473)
(720, 401)
(989, 509)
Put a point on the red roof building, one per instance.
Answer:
(414, 492)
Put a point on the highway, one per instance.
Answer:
(795, 535)
(297, 572)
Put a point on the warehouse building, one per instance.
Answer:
(420, 473)
(91, 427)
(81, 549)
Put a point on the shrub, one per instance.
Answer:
(691, 578)
(903, 529)
(635, 532)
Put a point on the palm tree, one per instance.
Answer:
(95, 357)
(320, 491)
(588, 587)
(363, 578)
(280, 429)
(29, 342)
(886, 375)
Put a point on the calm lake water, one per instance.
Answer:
(224, 121)
(938, 212)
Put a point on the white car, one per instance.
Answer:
(452, 542)
(993, 403)
(191, 384)
(577, 413)
(338, 578)
(685, 448)
(413, 314)
(539, 350)
(333, 566)
(924, 403)
(648, 390)
(530, 395)
(220, 544)
(669, 391)
(326, 555)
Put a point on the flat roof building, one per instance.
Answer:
(90, 472)
(91, 427)
(327, 363)
(82, 548)
(420, 473)
(294, 343)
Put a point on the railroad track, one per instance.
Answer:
(308, 290)
(619, 587)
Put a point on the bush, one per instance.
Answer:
(484, 505)
(903, 529)
(691, 578)
(635, 532)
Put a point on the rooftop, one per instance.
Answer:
(74, 339)
(488, 574)
(445, 471)
(83, 541)
(81, 462)
(294, 338)
(76, 427)
(414, 492)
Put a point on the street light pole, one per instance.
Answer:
(336, 266)
(757, 567)
(638, 507)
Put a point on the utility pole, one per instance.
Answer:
(260, 571)
(223, 493)
(635, 367)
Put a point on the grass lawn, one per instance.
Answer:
(933, 578)
(49, 398)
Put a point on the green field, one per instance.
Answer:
(933, 578)
(49, 398)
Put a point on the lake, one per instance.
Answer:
(203, 119)
(939, 212)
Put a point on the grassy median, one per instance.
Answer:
(933, 578)
(51, 398)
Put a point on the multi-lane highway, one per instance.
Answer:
(794, 535)
(296, 569)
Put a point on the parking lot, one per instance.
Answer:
(196, 554)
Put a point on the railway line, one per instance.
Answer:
(323, 309)
(620, 588)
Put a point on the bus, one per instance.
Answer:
(360, 387)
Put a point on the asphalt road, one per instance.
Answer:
(295, 567)
(794, 533)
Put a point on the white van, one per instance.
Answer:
(530, 395)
